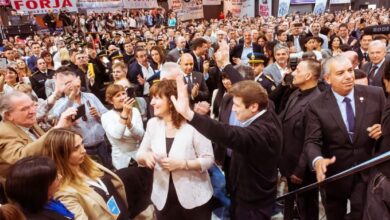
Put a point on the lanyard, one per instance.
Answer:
(99, 184)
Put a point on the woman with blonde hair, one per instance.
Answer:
(119, 73)
(22, 69)
(87, 189)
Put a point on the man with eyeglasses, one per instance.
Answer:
(20, 135)
(39, 78)
(140, 71)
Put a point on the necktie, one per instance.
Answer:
(371, 75)
(365, 55)
(350, 116)
(189, 83)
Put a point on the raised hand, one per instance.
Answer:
(181, 103)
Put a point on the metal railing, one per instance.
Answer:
(358, 168)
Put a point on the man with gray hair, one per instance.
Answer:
(20, 135)
(170, 70)
(175, 53)
(342, 126)
(279, 68)
(376, 66)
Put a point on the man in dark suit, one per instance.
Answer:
(196, 83)
(343, 125)
(293, 163)
(257, 138)
(375, 68)
(378, 192)
(240, 52)
(199, 51)
(362, 51)
(140, 71)
(39, 78)
(32, 60)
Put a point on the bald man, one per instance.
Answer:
(195, 81)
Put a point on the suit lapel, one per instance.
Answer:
(334, 110)
(360, 108)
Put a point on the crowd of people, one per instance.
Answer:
(142, 116)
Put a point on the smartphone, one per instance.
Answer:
(80, 112)
(89, 104)
(130, 92)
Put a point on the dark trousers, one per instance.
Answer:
(242, 212)
(101, 154)
(173, 209)
(307, 203)
(336, 203)
(378, 197)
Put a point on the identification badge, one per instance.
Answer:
(112, 206)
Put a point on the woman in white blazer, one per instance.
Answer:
(180, 157)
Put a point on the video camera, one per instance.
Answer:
(377, 29)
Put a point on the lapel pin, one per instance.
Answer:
(361, 99)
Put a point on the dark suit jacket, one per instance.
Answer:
(32, 63)
(378, 76)
(293, 160)
(237, 50)
(385, 144)
(253, 183)
(38, 82)
(135, 69)
(361, 55)
(327, 136)
(203, 95)
(198, 67)
(173, 55)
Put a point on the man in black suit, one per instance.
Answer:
(196, 83)
(293, 163)
(128, 53)
(139, 72)
(255, 145)
(375, 68)
(39, 78)
(362, 51)
(343, 125)
(240, 52)
(378, 192)
(199, 51)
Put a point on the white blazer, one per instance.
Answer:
(193, 188)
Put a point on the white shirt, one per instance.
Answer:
(147, 72)
(283, 71)
(124, 141)
(245, 52)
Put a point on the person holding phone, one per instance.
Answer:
(89, 125)
(123, 125)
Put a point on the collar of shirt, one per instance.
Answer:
(340, 98)
(363, 51)
(282, 70)
(249, 121)
(307, 91)
(250, 46)
(379, 64)
(26, 130)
